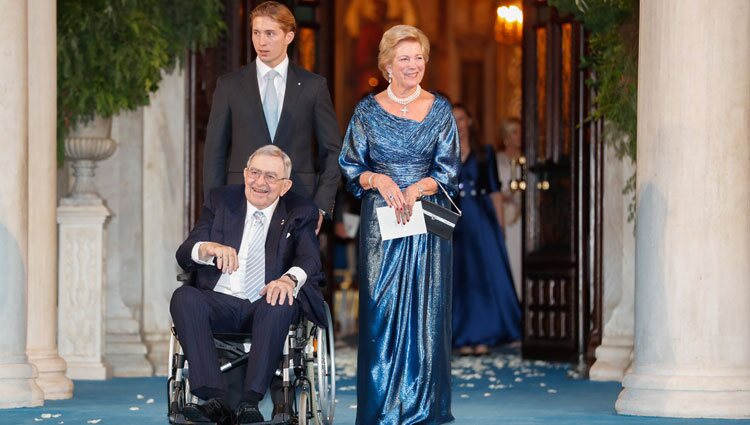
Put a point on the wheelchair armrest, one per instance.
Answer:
(186, 278)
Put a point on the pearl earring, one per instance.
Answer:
(390, 77)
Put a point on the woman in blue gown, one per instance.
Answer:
(398, 146)
(486, 310)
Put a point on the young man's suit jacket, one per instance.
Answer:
(237, 127)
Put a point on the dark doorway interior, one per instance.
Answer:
(562, 202)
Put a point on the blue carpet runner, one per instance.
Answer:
(496, 389)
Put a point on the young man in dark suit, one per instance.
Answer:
(257, 263)
(273, 101)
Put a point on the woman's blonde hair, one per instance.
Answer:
(395, 35)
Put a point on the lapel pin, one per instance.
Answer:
(282, 221)
(299, 84)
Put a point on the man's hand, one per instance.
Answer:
(279, 290)
(226, 256)
(320, 222)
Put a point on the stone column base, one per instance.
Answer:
(704, 394)
(17, 386)
(125, 350)
(127, 355)
(52, 379)
(612, 359)
(92, 371)
(158, 352)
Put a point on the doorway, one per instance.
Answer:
(562, 175)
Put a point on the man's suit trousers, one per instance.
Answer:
(197, 314)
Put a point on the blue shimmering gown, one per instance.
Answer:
(403, 363)
(486, 309)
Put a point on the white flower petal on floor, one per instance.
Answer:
(93, 421)
(150, 401)
(134, 408)
(139, 396)
(46, 415)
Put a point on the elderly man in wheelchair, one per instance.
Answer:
(256, 270)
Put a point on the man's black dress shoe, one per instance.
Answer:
(214, 409)
(248, 414)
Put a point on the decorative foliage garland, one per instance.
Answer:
(613, 58)
(111, 53)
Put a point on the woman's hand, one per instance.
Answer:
(391, 193)
(411, 195)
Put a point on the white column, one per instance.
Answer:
(42, 302)
(692, 288)
(17, 386)
(615, 353)
(163, 210)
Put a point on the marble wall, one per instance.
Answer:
(163, 209)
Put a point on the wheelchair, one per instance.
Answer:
(307, 371)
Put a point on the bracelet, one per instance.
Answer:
(421, 191)
(369, 181)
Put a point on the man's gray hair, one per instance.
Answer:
(273, 150)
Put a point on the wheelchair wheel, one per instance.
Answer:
(322, 374)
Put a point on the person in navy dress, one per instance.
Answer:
(486, 310)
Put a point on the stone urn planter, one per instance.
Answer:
(84, 152)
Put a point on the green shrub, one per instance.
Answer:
(111, 53)
(613, 60)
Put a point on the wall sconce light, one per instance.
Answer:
(509, 23)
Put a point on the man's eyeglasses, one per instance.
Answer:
(271, 178)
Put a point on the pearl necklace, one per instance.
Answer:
(406, 100)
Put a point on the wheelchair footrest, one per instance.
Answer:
(180, 419)
(280, 419)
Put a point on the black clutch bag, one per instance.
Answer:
(439, 220)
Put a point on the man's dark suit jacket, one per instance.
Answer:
(291, 241)
(237, 127)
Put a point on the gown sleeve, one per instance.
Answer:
(354, 156)
(447, 156)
